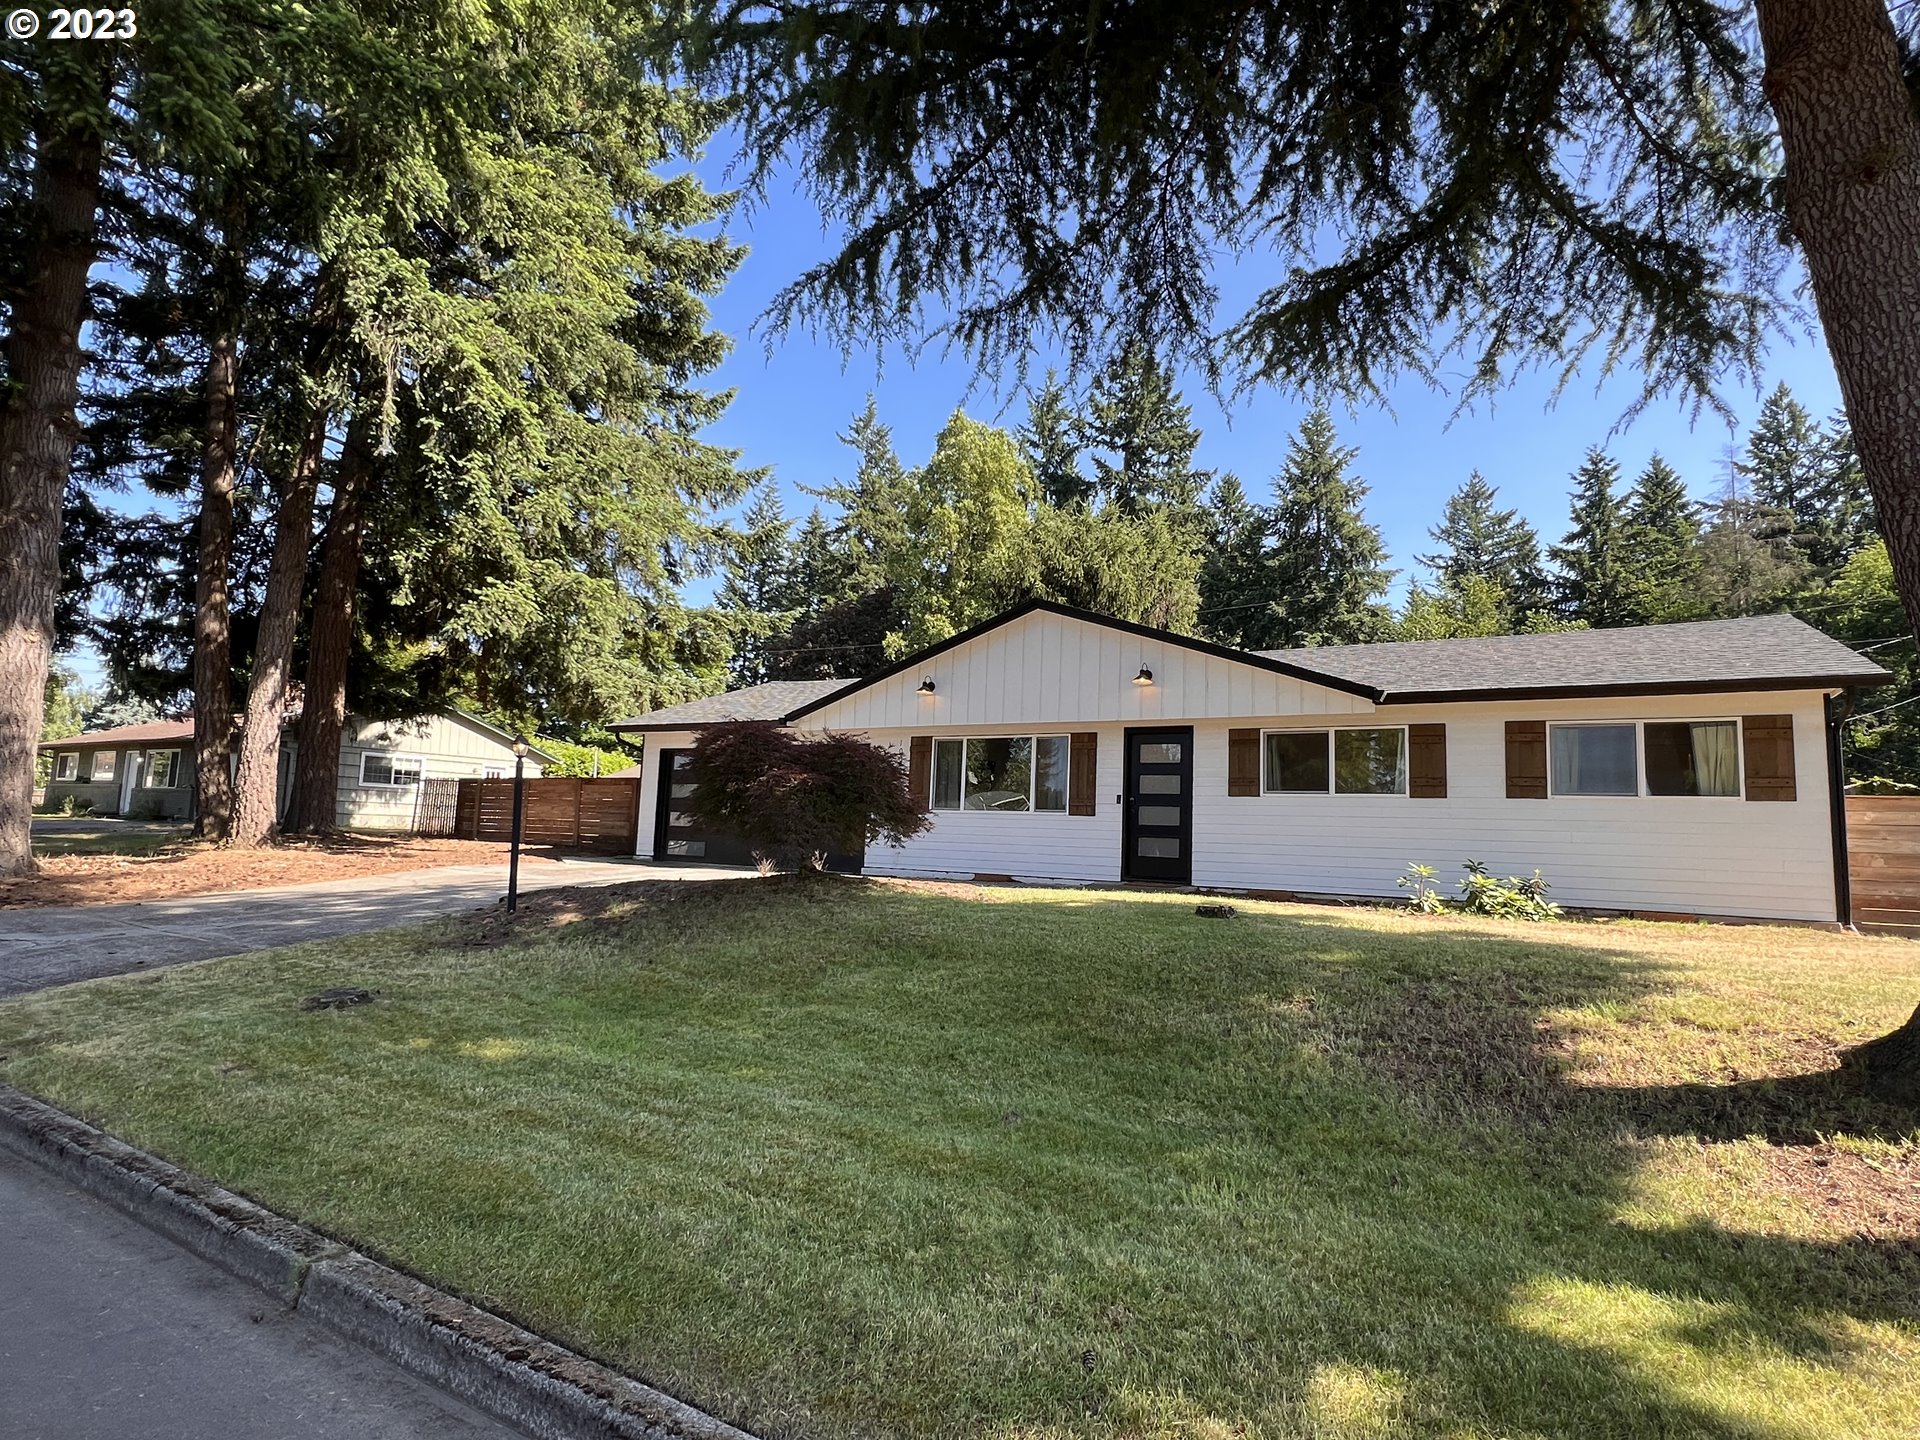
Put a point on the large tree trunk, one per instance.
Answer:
(316, 781)
(212, 633)
(256, 783)
(37, 430)
(1852, 191)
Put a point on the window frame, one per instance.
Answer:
(1333, 788)
(1639, 726)
(173, 771)
(1033, 737)
(392, 757)
(66, 767)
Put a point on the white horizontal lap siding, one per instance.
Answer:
(1037, 845)
(1056, 671)
(447, 748)
(1690, 854)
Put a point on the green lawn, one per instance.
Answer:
(844, 1159)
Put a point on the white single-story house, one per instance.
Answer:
(148, 771)
(1675, 769)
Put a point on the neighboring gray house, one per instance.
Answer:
(148, 771)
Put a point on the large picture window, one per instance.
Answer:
(391, 770)
(1646, 757)
(1370, 760)
(163, 769)
(1003, 773)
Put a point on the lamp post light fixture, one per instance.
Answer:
(519, 810)
(1145, 677)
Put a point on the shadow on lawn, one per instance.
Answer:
(1147, 1173)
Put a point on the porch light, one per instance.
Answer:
(1145, 677)
(926, 686)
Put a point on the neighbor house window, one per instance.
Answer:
(67, 766)
(389, 770)
(1693, 757)
(1593, 759)
(103, 764)
(1362, 761)
(1016, 772)
(163, 769)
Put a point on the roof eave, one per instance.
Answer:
(1652, 687)
(1128, 627)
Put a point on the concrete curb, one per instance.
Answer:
(492, 1364)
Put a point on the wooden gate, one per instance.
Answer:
(1883, 862)
(562, 811)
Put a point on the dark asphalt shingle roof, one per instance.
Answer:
(1759, 652)
(771, 701)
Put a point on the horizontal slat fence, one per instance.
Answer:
(1883, 862)
(562, 811)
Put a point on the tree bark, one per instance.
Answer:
(37, 430)
(256, 783)
(323, 718)
(212, 632)
(1852, 193)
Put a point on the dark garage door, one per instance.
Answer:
(676, 837)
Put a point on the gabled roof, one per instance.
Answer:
(1760, 652)
(151, 733)
(770, 701)
(1285, 667)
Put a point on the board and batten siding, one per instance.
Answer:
(1695, 855)
(447, 747)
(1062, 673)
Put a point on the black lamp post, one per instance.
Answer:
(513, 853)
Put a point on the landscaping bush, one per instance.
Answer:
(1481, 893)
(584, 761)
(793, 800)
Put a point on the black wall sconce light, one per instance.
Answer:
(1145, 677)
(926, 686)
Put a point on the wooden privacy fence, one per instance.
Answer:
(1883, 862)
(570, 813)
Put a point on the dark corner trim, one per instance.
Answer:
(1838, 708)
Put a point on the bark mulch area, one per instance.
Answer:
(192, 868)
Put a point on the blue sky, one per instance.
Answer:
(1413, 451)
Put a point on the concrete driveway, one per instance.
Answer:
(57, 945)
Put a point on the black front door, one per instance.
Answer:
(1159, 828)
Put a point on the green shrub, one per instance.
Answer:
(572, 759)
(1481, 893)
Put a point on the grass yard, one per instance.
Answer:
(853, 1158)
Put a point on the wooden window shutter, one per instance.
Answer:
(1243, 762)
(1526, 759)
(1083, 752)
(1427, 762)
(920, 768)
(1769, 747)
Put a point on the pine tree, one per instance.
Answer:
(1329, 565)
(1050, 441)
(1594, 585)
(1747, 567)
(1143, 437)
(1661, 547)
(756, 592)
(1236, 576)
(1478, 539)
